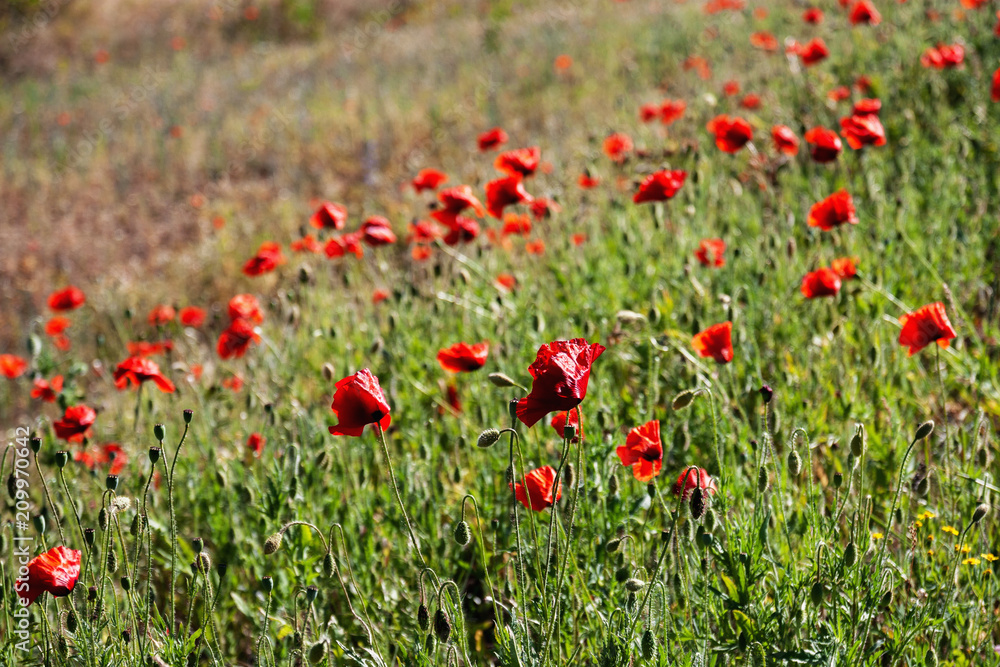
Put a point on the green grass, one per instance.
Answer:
(416, 97)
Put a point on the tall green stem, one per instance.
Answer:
(399, 498)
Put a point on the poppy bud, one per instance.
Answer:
(886, 598)
(126, 584)
(112, 562)
(62, 458)
(187, 416)
(462, 533)
(683, 399)
(272, 544)
(102, 519)
(924, 430)
(329, 565)
(71, 621)
(159, 432)
(501, 380)
(488, 438)
(648, 644)
(762, 533)
(704, 538)
(816, 593)
(858, 441)
(266, 585)
(612, 545)
(316, 652)
(710, 520)
(154, 454)
(613, 484)
(850, 555)
(743, 640)
(88, 536)
(569, 475)
(982, 457)
(111, 482)
(12, 487)
(92, 594)
(442, 625)
(328, 372)
(930, 658)
(766, 393)
(762, 480)
(204, 562)
(980, 512)
(697, 503)
(35, 444)
(651, 490)
(634, 584)
(39, 522)
(794, 463)
(838, 479)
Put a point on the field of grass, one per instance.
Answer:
(848, 518)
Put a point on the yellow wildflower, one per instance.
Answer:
(877, 536)
(950, 529)
(971, 561)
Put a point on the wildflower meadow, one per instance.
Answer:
(542, 333)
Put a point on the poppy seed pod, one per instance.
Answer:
(766, 393)
(62, 458)
(488, 438)
(462, 533)
(924, 430)
(501, 380)
(266, 585)
(311, 593)
(980, 512)
(88, 536)
(272, 544)
(188, 414)
(159, 432)
(111, 482)
(442, 625)
(794, 463)
(35, 444)
(569, 432)
(154, 454)
(838, 479)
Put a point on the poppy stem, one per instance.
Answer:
(943, 398)
(522, 579)
(399, 498)
(138, 407)
(48, 499)
(173, 530)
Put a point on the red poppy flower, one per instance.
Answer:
(307, 243)
(505, 281)
(236, 339)
(823, 282)
(233, 383)
(813, 15)
(925, 326)
(578, 239)
(540, 483)
(519, 162)
(56, 325)
(136, 370)
(46, 390)
(339, 246)
(835, 210)
(428, 179)
(839, 93)
(586, 181)
(716, 342)
(845, 267)
(516, 224)
(560, 374)
(461, 230)
(731, 133)
(764, 40)
(56, 572)
(454, 201)
(750, 101)
(785, 140)
(329, 216)
(358, 401)
(192, 316)
(267, 259)
(813, 51)
(245, 307)
(61, 343)
(643, 451)
(492, 139)
(996, 30)
(864, 11)
(561, 420)
(864, 84)
(863, 130)
(659, 186)
(617, 146)
(544, 208)
(943, 56)
(672, 110)
(504, 192)
(691, 479)
(144, 348)
(424, 231)
(463, 358)
(710, 252)
(161, 315)
(995, 88)
(255, 443)
(648, 112)
(12, 366)
(97, 457)
(377, 231)
(824, 144)
(75, 424)
(730, 88)
(536, 247)
(700, 65)
(70, 298)
(867, 107)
